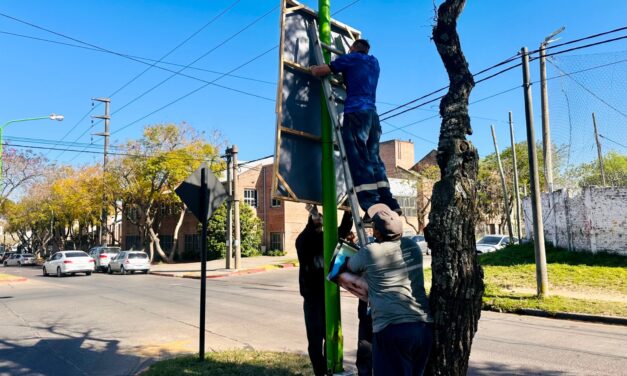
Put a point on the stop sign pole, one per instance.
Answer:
(204, 199)
(203, 193)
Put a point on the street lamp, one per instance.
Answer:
(52, 116)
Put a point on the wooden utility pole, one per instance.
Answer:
(229, 210)
(106, 117)
(504, 186)
(516, 188)
(599, 151)
(238, 249)
(457, 278)
(542, 279)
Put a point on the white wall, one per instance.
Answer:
(592, 219)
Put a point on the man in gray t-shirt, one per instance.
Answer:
(400, 308)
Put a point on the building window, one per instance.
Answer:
(276, 241)
(275, 203)
(192, 243)
(166, 242)
(408, 205)
(250, 197)
(133, 242)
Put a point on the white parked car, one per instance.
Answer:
(102, 256)
(19, 259)
(494, 242)
(68, 262)
(129, 262)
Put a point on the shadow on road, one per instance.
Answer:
(66, 354)
(494, 368)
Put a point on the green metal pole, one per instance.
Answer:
(334, 340)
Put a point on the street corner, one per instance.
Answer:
(10, 278)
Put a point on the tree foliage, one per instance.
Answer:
(153, 167)
(251, 231)
(586, 174)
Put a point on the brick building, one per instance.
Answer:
(284, 220)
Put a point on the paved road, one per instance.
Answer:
(116, 325)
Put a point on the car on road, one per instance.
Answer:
(6, 255)
(130, 262)
(493, 242)
(68, 262)
(102, 256)
(19, 259)
(422, 243)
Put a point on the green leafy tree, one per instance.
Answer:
(489, 189)
(152, 168)
(586, 174)
(251, 230)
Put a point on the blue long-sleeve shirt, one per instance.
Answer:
(361, 76)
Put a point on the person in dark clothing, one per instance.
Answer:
(361, 129)
(309, 246)
(364, 340)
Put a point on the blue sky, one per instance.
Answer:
(40, 77)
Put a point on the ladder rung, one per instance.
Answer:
(331, 48)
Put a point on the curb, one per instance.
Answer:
(235, 273)
(573, 316)
(18, 279)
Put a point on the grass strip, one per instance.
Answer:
(235, 362)
(579, 282)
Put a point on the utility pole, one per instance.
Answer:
(238, 249)
(546, 128)
(504, 185)
(516, 188)
(106, 117)
(542, 279)
(229, 211)
(599, 151)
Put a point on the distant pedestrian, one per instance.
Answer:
(310, 248)
(402, 323)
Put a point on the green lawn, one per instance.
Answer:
(235, 362)
(578, 282)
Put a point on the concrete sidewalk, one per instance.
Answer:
(217, 268)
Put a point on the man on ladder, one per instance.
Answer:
(361, 128)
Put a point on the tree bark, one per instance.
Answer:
(457, 282)
(175, 236)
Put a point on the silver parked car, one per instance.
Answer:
(130, 262)
(494, 242)
(103, 255)
(19, 259)
(68, 262)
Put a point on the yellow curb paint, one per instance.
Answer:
(166, 349)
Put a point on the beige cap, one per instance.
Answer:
(386, 221)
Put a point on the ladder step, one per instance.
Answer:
(331, 49)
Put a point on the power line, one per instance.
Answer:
(610, 140)
(198, 59)
(215, 18)
(198, 89)
(581, 39)
(141, 58)
(510, 59)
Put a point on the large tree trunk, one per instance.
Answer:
(175, 236)
(457, 282)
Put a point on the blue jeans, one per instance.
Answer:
(402, 349)
(361, 132)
